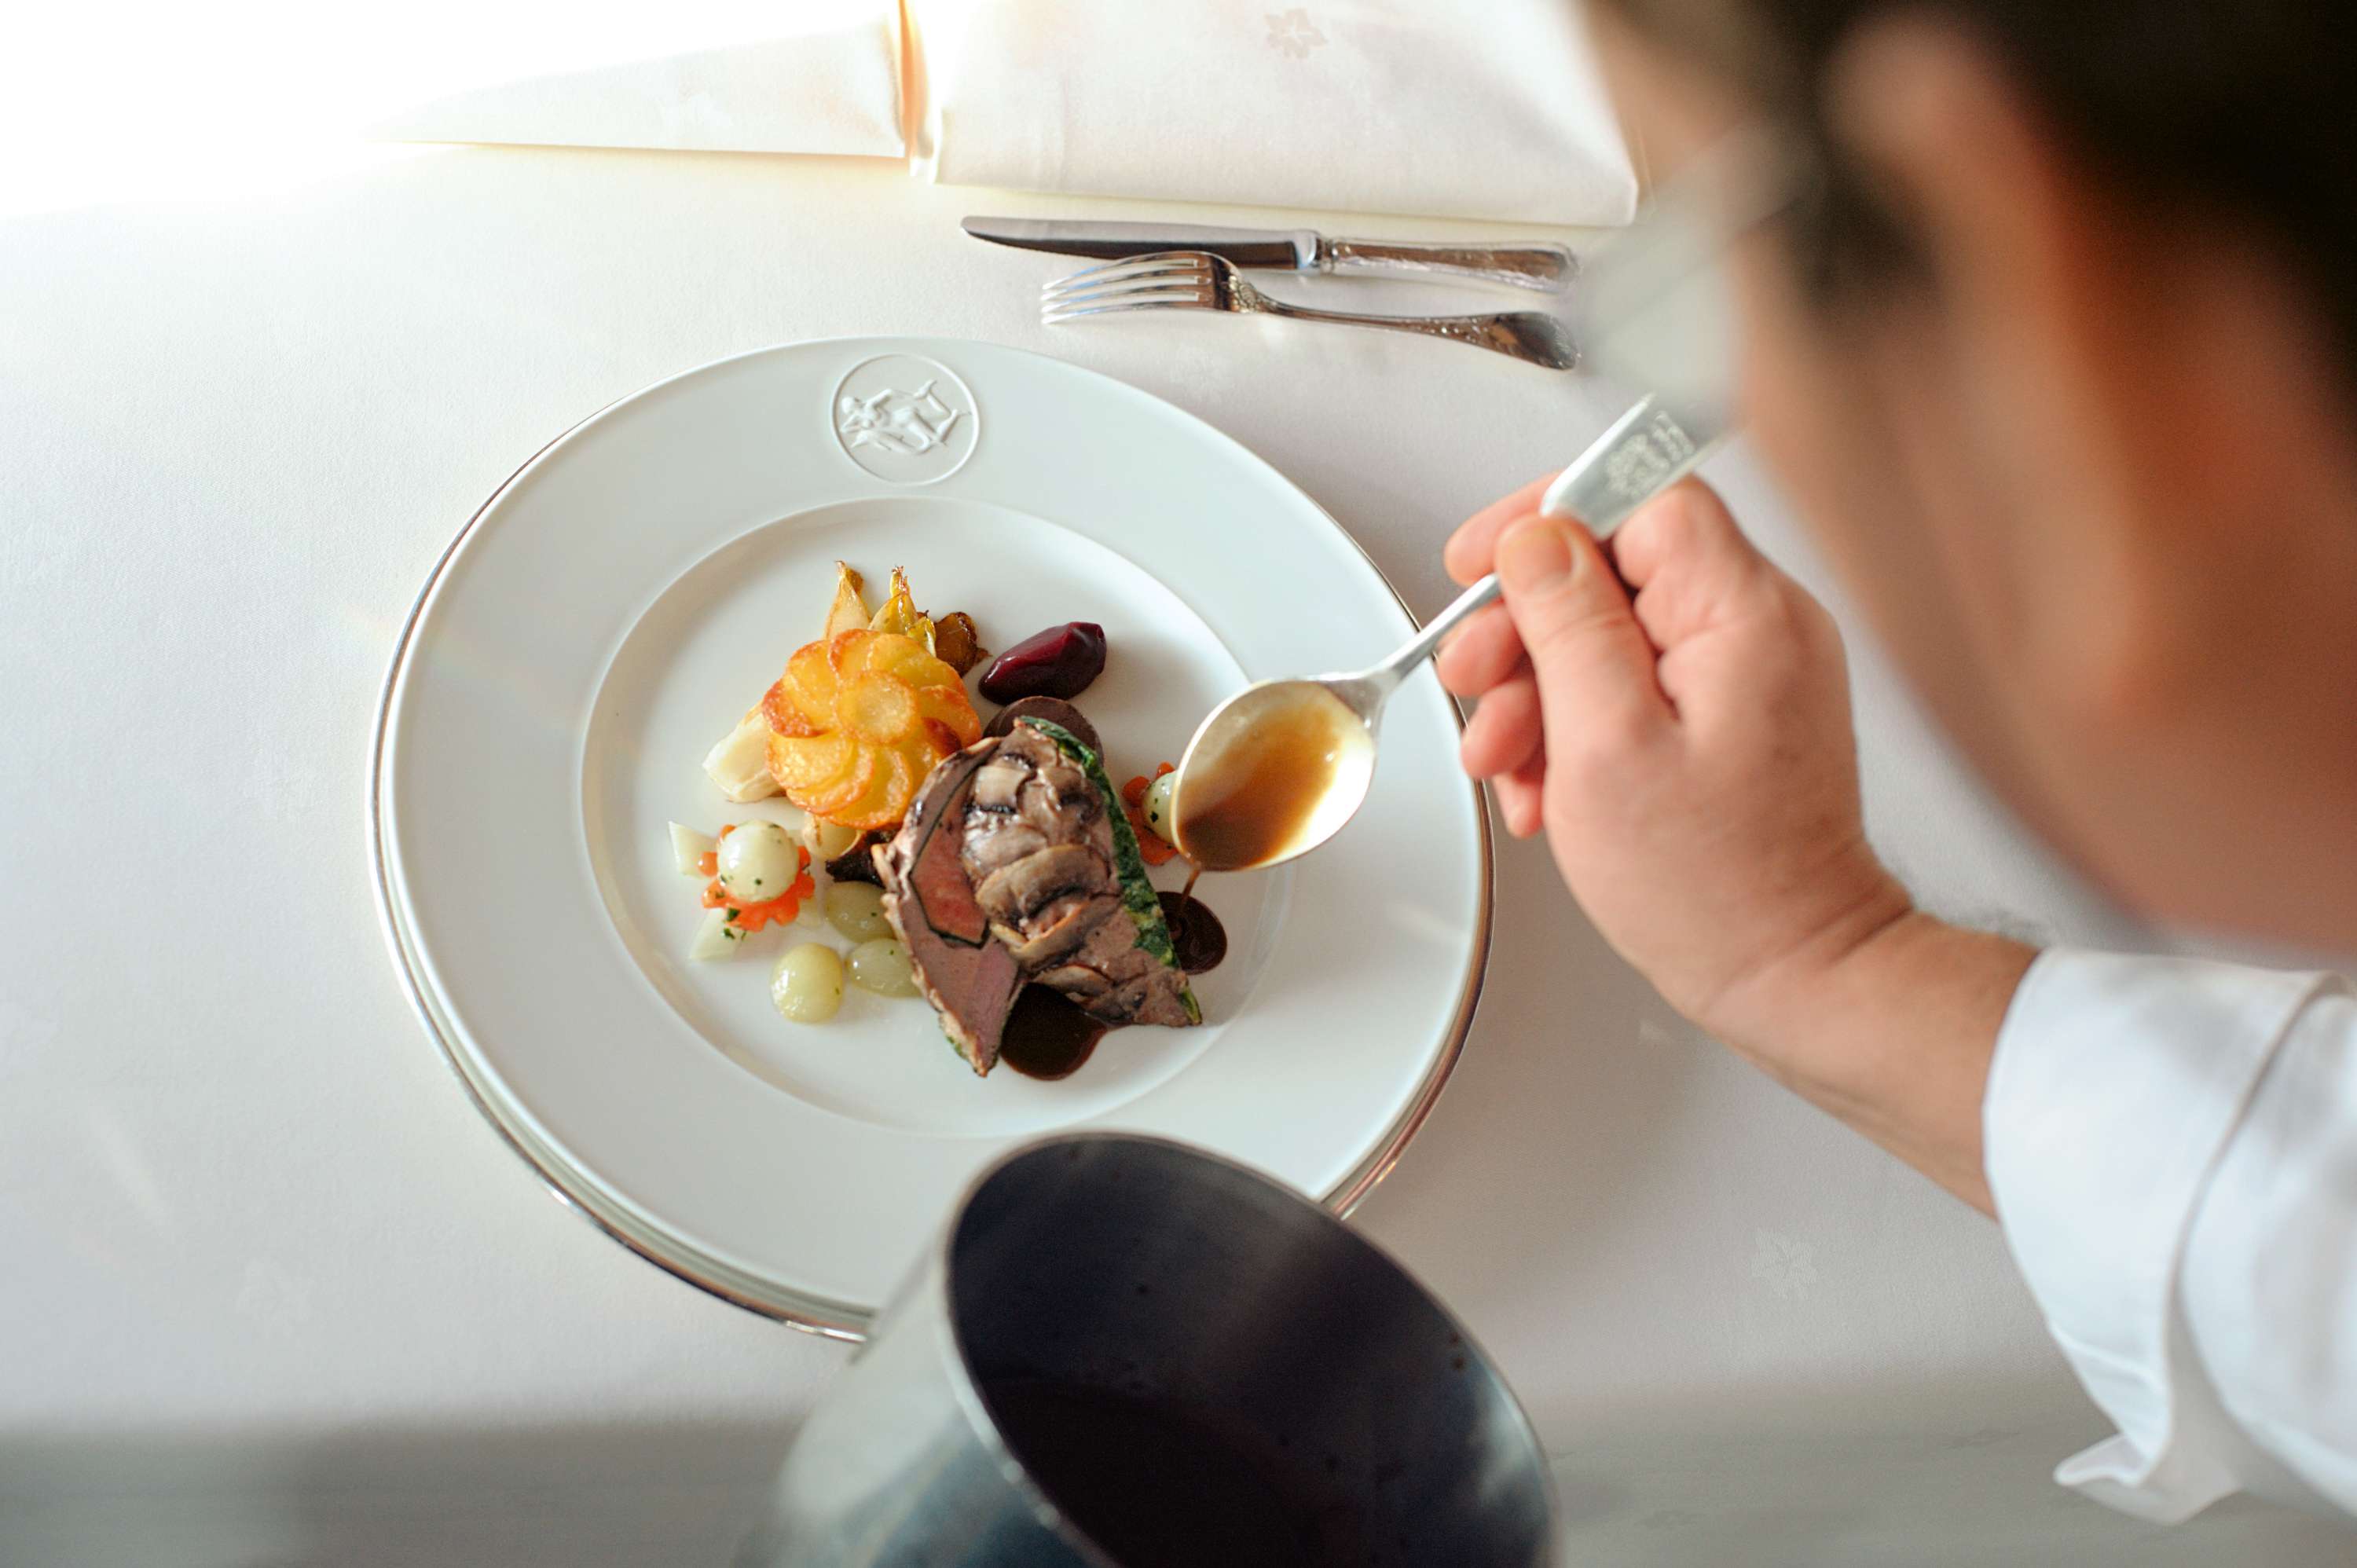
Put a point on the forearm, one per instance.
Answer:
(1894, 1034)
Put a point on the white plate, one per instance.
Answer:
(627, 595)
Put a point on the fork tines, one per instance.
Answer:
(1166, 280)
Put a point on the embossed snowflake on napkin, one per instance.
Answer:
(1294, 32)
(1787, 1267)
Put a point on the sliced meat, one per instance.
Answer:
(1111, 951)
(1136, 988)
(1089, 949)
(1057, 930)
(996, 785)
(1056, 711)
(1052, 817)
(1007, 869)
(1077, 981)
(968, 976)
(1057, 798)
(1149, 998)
(994, 839)
(944, 895)
(1021, 888)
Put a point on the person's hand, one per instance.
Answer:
(1685, 742)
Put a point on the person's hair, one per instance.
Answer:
(2232, 111)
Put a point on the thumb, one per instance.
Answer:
(1594, 664)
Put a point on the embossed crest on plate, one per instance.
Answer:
(905, 419)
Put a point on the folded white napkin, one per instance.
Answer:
(772, 76)
(1413, 106)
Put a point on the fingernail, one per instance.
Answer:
(1534, 554)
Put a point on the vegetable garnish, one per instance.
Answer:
(747, 766)
(754, 914)
(1058, 662)
(1155, 849)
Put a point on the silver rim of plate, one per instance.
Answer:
(575, 1190)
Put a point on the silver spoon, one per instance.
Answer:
(1277, 768)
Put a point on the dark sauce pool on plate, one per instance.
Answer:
(1196, 933)
(1047, 1033)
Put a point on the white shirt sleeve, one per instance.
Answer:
(2172, 1148)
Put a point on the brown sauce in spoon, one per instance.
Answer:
(1254, 799)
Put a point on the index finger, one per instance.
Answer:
(1687, 562)
(1472, 550)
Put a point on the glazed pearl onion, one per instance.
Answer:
(829, 839)
(758, 861)
(882, 966)
(807, 985)
(1157, 808)
(857, 910)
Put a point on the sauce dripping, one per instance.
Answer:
(1047, 1035)
(1196, 934)
(1264, 786)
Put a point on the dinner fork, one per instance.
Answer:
(1197, 280)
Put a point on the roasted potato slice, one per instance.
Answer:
(812, 765)
(858, 719)
(848, 788)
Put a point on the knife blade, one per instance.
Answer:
(1544, 268)
(1292, 248)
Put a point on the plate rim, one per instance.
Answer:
(574, 1189)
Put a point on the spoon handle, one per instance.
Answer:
(1644, 452)
(1392, 670)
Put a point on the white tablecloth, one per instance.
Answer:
(271, 1292)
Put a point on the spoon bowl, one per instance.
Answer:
(1275, 771)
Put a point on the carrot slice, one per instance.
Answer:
(781, 909)
(1151, 848)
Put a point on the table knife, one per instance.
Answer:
(1548, 269)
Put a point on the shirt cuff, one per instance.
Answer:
(2116, 1082)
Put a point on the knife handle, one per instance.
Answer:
(1548, 269)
